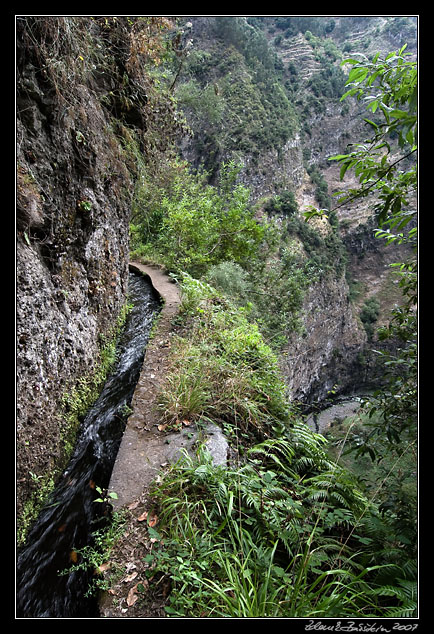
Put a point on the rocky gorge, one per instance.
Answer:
(75, 187)
(332, 351)
(96, 138)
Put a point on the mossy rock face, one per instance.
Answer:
(74, 195)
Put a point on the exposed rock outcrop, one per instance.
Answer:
(326, 356)
(79, 101)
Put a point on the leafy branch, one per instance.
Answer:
(349, 161)
(387, 86)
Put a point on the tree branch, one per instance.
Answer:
(364, 191)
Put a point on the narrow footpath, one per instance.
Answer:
(140, 454)
(143, 453)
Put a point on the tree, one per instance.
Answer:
(386, 167)
(203, 225)
(389, 88)
(385, 164)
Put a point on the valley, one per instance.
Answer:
(217, 153)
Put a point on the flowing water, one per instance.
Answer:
(71, 515)
(320, 421)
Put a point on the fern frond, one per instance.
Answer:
(407, 611)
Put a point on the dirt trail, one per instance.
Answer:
(143, 451)
(143, 447)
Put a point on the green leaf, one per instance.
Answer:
(357, 74)
(313, 212)
(364, 540)
(153, 534)
(349, 93)
(221, 527)
(373, 77)
(343, 170)
(398, 114)
(350, 60)
(372, 123)
(338, 157)
(231, 502)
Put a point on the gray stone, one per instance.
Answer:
(210, 436)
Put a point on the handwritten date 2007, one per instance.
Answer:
(366, 628)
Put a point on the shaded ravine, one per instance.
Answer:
(320, 421)
(71, 515)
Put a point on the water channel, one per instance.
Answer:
(71, 516)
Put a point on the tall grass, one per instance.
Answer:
(223, 370)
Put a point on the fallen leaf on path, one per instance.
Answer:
(152, 520)
(104, 567)
(132, 596)
(131, 577)
(166, 588)
(133, 505)
(142, 517)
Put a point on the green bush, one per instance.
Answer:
(223, 371)
(231, 279)
(369, 315)
(321, 191)
(284, 203)
(202, 225)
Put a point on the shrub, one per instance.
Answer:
(268, 538)
(223, 371)
(369, 315)
(203, 225)
(229, 278)
(285, 203)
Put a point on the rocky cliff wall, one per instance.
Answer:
(76, 94)
(326, 356)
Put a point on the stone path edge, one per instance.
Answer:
(141, 448)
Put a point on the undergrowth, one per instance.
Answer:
(222, 370)
(284, 530)
(266, 540)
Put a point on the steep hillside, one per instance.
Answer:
(234, 69)
(93, 139)
(194, 145)
(231, 94)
